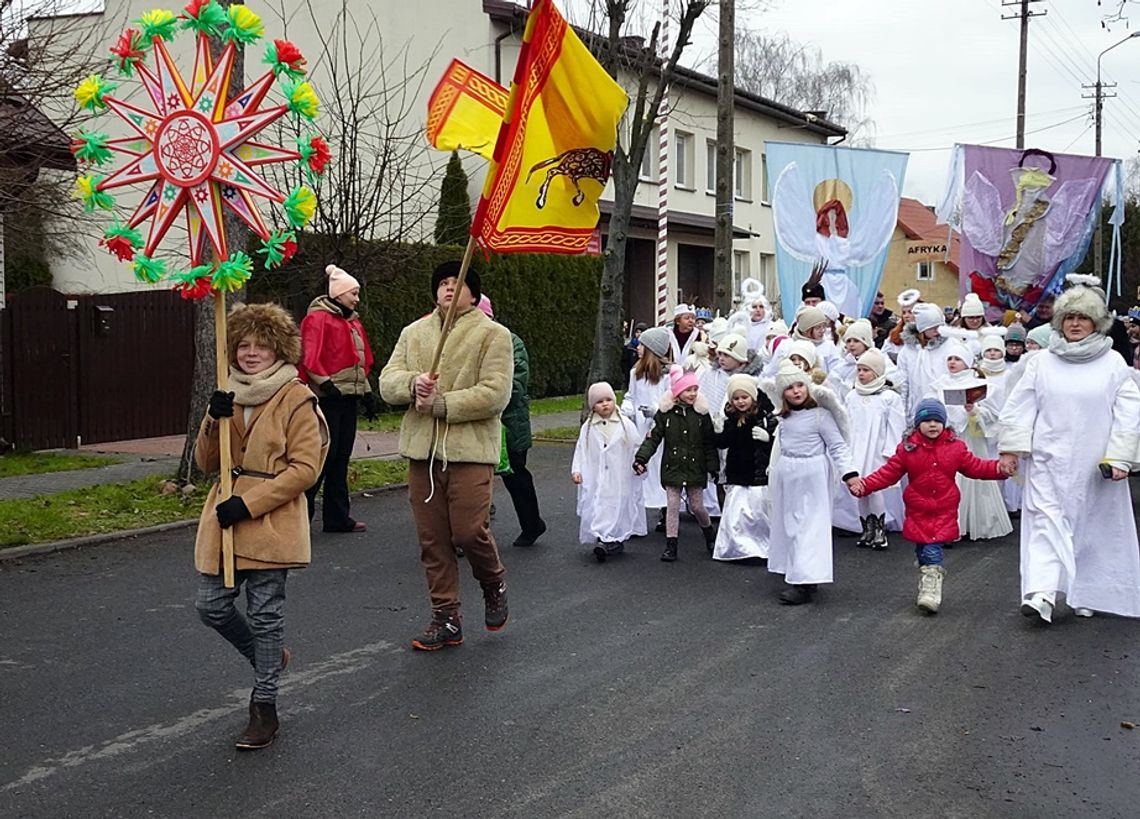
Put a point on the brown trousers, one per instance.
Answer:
(458, 514)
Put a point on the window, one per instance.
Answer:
(652, 148)
(766, 267)
(710, 166)
(742, 174)
(683, 160)
(924, 271)
(765, 191)
(740, 268)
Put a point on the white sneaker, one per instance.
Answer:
(930, 589)
(1083, 612)
(1037, 604)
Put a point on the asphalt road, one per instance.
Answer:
(634, 688)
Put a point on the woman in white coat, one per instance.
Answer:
(1070, 426)
(609, 494)
(648, 381)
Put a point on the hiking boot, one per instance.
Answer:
(670, 553)
(710, 537)
(879, 532)
(864, 540)
(930, 589)
(495, 600)
(1037, 605)
(530, 538)
(797, 595)
(444, 630)
(262, 728)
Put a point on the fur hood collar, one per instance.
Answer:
(667, 402)
(323, 304)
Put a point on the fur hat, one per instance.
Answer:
(269, 324)
(683, 309)
(681, 379)
(930, 409)
(808, 317)
(860, 330)
(717, 329)
(927, 316)
(1082, 300)
(735, 346)
(741, 383)
(599, 391)
(909, 298)
(875, 360)
(1040, 335)
(447, 270)
(805, 350)
(485, 305)
(656, 340)
(339, 281)
(1016, 331)
(972, 306)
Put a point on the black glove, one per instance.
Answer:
(232, 510)
(329, 389)
(370, 405)
(221, 405)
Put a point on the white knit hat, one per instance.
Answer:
(808, 317)
(805, 350)
(992, 341)
(741, 382)
(927, 316)
(972, 306)
(874, 359)
(339, 281)
(735, 346)
(860, 330)
(789, 374)
(717, 329)
(777, 328)
(953, 348)
(829, 310)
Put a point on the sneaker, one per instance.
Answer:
(444, 630)
(1036, 605)
(495, 599)
(797, 595)
(1083, 612)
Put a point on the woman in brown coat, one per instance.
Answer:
(278, 440)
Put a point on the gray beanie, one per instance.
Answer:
(656, 340)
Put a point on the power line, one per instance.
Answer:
(960, 126)
(1001, 139)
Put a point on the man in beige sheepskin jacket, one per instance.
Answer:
(450, 436)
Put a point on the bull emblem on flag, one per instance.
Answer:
(575, 164)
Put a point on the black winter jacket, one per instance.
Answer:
(746, 459)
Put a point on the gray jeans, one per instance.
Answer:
(261, 637)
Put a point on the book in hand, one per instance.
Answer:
(967, 394)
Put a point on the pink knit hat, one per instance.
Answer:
(485, 305)
(681, 379)
(598, 391)
(339, 281)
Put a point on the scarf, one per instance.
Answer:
(870, 389)
(253, 390)
(992, 366)
(1088, 348)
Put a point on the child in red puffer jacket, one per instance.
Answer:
(930, 456)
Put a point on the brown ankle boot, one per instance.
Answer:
(262, 728)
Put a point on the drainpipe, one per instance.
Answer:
(499, 52)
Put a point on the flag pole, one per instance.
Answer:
(226, 487)
(449, 318)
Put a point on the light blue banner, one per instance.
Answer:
(838, 206)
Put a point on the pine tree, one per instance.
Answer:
(454, 221)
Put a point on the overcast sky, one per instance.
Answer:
(945, 71)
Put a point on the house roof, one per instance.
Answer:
(918, 222)
(29, 137)
(505, 11)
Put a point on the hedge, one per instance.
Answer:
(550, 301)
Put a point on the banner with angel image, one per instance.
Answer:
(1026, 218)
(834, 210)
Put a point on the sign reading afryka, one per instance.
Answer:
(926, 251)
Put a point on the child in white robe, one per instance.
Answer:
(609, 496)
(648, 381)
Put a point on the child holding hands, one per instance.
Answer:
(930, 456)
(609, 498)
(682, 422)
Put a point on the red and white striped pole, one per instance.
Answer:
(663, 179)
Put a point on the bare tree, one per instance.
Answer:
(639, 65)
(793, 74)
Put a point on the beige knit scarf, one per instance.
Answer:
(253, 390)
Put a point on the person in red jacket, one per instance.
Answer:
(930, 456)
(336, 359)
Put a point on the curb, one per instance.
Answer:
(34, 549)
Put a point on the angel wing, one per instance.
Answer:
(874, 224)
(827, 399)
(1068, 212)
(792, 214)
(982, 215)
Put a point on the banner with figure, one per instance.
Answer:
(1026, 218)
(834, 210)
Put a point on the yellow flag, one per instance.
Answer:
(465, 111)
(555, 147)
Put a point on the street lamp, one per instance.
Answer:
(1098, 250)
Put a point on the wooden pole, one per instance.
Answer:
(227, 477)
(449, 318)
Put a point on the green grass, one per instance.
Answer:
(36, 463)
(390, 422)
(115, 507)
(558, 434)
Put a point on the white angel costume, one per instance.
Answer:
(877, 423)
(640, 405)
(609, 507)
(815, 228)
(1074, 407)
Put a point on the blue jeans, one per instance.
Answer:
(928, 554)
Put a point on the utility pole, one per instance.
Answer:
(1023, 14)
(725, 156)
